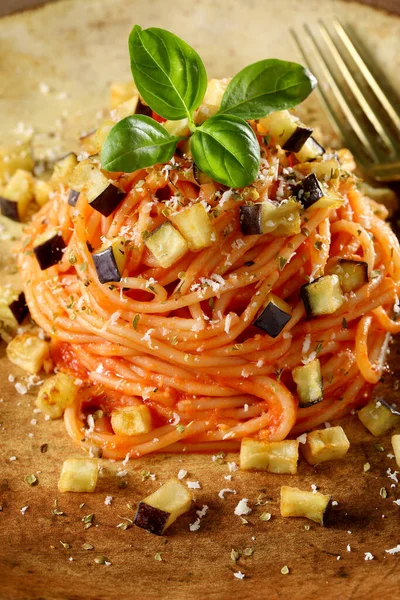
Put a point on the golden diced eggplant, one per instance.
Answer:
(125, 109)
(180, 127)
(166, 244)
(41, 192)
(14, 158)
(28, 352)
(281, 219)
(13, 309)
(396, 447)
(310, 385)
(299, 503)
(131, 420)
(324, 170)
(79, 475)
(352, 274)
(323, 296)
(212, 100)
(270, 217)
(325, 444)
(378, 418)
(120, 92)
(274, 316)
(93, 142)
(101, 194)
(274, 457)
(110, 260)
(310, 151)
(195, 226)
(63, 170)
(17, 195)
(286, 129)
(56, 394)
(159, 510)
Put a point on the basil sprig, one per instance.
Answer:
(171, 78)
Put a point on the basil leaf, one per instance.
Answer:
(169, 74)
(137, 142)
(226, 148)
(266, 86)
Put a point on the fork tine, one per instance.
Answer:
(354, 87)
(339, 97)
(379, 93)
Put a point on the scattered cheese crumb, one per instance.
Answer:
(368, 556)
(302, 438)
(182, 474)
(226, 491)
(242, 508)
(12, 458)
(195, 526)
(122, 473)
(232, 466)
(25, 508)
(239, 575)
(348, 548)
(334, 503)
(314, 488)
(193, 485)
(394, 550)
(108, 500)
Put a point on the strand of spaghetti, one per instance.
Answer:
(357, 231)
(370, 372)
(385, 321)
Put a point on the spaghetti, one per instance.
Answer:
(181, 339)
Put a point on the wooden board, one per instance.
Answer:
(78, 48)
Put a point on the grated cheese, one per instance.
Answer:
(193, 485)
(224, 491)
(242, 508)
(182, 474)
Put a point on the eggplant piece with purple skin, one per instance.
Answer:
(297, 140)
(50, 251)
(152, 519)
(19, 308)
(274, 317)
(108, 198)
(308, 191)
(250, 217)
(310, 151)
(110, 260)
(73, 197)
(9, 209)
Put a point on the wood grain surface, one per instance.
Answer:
(79, 50)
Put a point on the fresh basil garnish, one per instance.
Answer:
(169, 74)
(266, 86)
(226, 148)
(171, 78)
(137, 142)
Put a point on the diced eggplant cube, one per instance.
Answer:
(150, 518)
(297, 140)
(55, 395)
(28, 352)
(73, 197)
(79, 475)
(323, 296)
(274, 316)
(19, 308)
(166, 244)
(378, 418)
(167, 503)
(9, 209)
(274, 457)
(352, 274)
(131, 420)
(281, 219)
(323, 445)
(310, 385)
(49, 252)
(63, 169)
(110, 261)
(311, 150)
(311, 505)
(107, 200)
(195, 226)
(250, 219)
(308, 191)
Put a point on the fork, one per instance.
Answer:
(373, 130)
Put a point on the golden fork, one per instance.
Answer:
(367, 121)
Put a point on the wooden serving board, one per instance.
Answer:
(77, 49)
